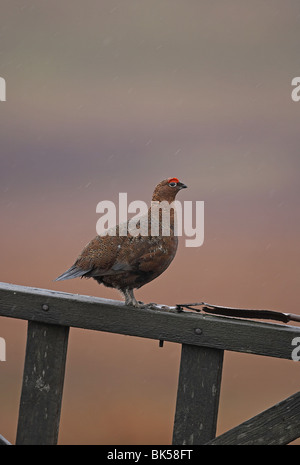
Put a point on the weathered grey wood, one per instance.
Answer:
(43, 380)
(278, 425)
(198, 395)
(109, 315)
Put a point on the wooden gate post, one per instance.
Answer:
(198, 395)
(43, 380)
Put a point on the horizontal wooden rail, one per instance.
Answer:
(60, 308)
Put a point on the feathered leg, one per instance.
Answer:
(130, 299)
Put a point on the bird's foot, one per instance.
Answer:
(136, 304)
(154, 306)
(131, 301)
(139, 304)
(150, 306)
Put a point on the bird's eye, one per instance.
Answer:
(172, 184)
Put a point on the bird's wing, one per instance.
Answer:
(146, 254)
(99, 255)
(96, 259)
(111, 255)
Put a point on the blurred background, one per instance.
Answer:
(111, 96)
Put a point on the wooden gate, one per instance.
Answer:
(203, 338)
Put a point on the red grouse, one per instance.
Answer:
(127, 262)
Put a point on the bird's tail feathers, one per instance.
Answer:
(73, 272)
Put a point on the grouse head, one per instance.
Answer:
(167, 190)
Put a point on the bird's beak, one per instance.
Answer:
(181, 185)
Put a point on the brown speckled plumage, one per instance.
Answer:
(126, 262)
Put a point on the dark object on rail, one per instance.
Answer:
(241, 312)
